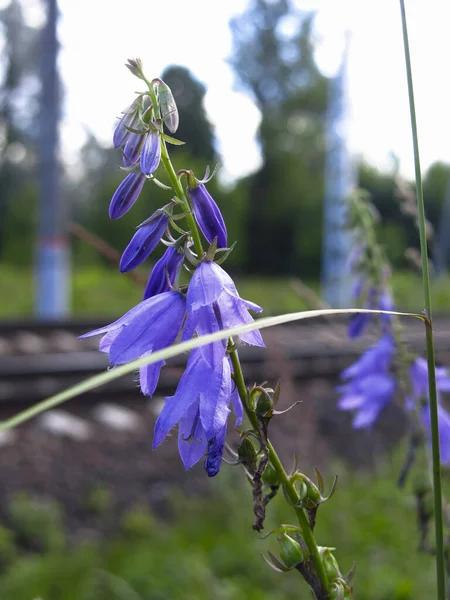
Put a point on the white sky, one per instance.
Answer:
(98, 36)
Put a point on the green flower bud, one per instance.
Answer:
(290, 551)
(270, 476)
(330, 563)
(168, 107)
(247, 452)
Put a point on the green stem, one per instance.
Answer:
(283, 478)
(178, 188)
(174, 179)
(437, 487)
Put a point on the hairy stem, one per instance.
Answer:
(284, 479)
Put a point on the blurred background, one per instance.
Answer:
(298, 102)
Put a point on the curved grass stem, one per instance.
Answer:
(437, 486)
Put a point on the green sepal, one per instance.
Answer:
(171, 140)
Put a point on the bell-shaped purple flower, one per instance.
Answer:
(368, 396)
(214, 304)
(208, 215)
(164, 272)
(151, 325)
(144, 241)
(126, 195)
(201, 407)
(151, 153)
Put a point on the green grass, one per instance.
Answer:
(208, 551)
(106, 292)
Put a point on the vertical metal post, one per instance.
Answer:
(52, 274)
(442, 247)
(339, 181)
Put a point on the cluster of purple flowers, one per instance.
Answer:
(206, 391)
(369, 385)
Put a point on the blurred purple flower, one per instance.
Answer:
(368, 395)
(164, 272)
(208, 215)
(370, 387)
(375, 359)
(151, 325)
(144, 241)
(359, 321)
(126, 195)
(418, 372)
(444, 430)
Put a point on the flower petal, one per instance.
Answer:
(188, 390)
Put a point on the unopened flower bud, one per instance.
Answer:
(126, 195)
(121, 131)
(329, 562)
(144, 241)
(270, 476)
(135, 66)
(290, 551)
(264, 404)
(208, 215)
(151, 153)
(133, 147)
(168, 107)
(164, 272)
(247, 452)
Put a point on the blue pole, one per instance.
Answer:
(52, 273)
(339, 181)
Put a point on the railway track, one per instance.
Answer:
(39, 359)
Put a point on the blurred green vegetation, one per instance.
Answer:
(207, 549)
(103, 291)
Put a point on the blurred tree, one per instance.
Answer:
(19, 105)
(195, 129)
(273, 58)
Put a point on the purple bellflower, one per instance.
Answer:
(164, 272)
(201, 402)
(151, 325)
(369, 387)
(144, 241)
(208, 215)
(201, 407)
(126, 195)
(214, 304)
